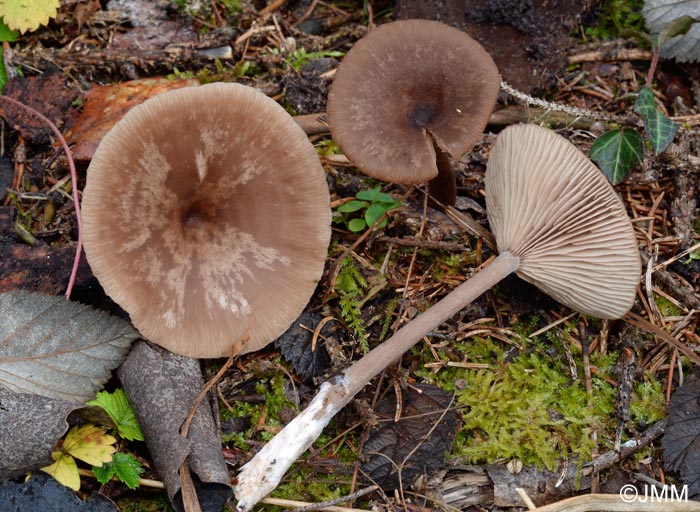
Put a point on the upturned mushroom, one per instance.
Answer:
(558, 224)
(207, 218)
(407, 92)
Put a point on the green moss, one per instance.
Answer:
(648, 402)
(273, 388)
(350, 286)
(616, 18)
(526, 405)
(306, 485)
(145, 502)
(666, 307)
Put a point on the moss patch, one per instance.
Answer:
(527, 406)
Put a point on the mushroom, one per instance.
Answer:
(407, 91)
(207, 218)
(558, 224)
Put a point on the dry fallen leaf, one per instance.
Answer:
(105, 105)
(53, 347)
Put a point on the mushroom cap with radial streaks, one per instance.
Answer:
(549, 205)
(206, 217)
(404, 84)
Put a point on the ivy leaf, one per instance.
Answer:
(659, 128)
(119, 409)
(27, 15)
(617, 152)
(90, 444)
(65, 470)
(124, 466)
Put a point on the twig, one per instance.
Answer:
(573, 111)
(309, 11)
(626, 449)
(184, 430)
(609, 54)
(190, 500)
(465, 221)
(330, 503)
(74, 177)
(425, 244)
(663, 275)
(142, 482)
(526, 499)
(642, 323)
(278, 502)
(272, 7)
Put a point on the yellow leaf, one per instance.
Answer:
(90, 444)
(65, 470)
(24, 15)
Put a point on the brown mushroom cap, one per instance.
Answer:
(402, 83)
(548, 204)
(206, 217)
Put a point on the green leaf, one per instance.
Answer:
(124, 466)
(352, 206)
(3, 73)
(373, 195)
(373, 213)
(659, 128)
(119, 409)
(7, 34)
(104, 472)
(617, 152)
(677, 27)
(356, 225)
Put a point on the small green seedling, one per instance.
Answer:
(298, 58)
(373, 202)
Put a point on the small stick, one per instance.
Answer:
(425, 244)
(526, 499)
(145, 482)
(330, 503)
(279, 502)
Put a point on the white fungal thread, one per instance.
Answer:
(557, 107)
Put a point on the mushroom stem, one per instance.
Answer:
(443, 187)
(263, 473)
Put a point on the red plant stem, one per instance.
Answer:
(74, 178)
(652, 66)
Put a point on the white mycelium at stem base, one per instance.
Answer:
(265, 471)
